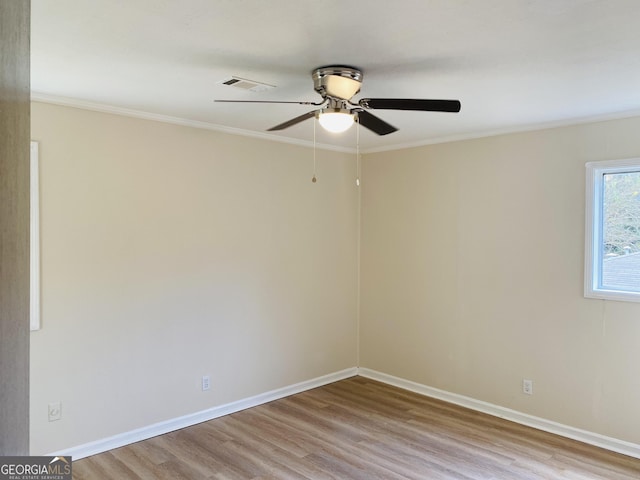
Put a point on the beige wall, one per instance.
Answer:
(472, 276)
(169, 253)
(14, 227)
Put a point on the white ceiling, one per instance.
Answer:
(514, 64)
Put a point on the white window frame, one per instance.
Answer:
(593, 228)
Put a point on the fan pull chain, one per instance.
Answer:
(314, 179)
(357, 151)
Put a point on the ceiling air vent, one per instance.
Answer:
(245, 84)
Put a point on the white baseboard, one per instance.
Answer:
(609, 443)
(126, 438)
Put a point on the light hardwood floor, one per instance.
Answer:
(358, 429)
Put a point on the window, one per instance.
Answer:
(612, 253)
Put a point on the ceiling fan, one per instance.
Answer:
(337, 85)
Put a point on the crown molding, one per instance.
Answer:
(156, 117)
(533, 127)
(104, 108)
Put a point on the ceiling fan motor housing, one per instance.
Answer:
(340, 82)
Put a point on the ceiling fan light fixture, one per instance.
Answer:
(336, 120)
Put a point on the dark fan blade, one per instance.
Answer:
(267, 101)
(293, 121)
(411, 104)
(374, 123)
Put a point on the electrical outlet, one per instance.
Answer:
(206, 382)
(55, 411)
(527, 387)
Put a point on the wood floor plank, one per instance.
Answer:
(358, 429)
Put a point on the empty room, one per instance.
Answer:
(335, 239)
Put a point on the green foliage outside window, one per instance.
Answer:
(621, 213)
